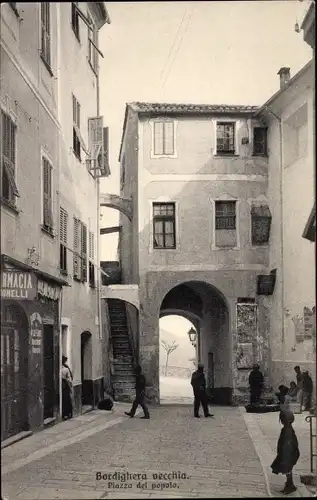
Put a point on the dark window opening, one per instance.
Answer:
(164, 225)
(225, 137)
(75, 20)
(226, 215)
(260, 141)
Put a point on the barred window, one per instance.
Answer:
(164, 138)
(47, 196)
(164, 225)
(225, 215)
(46, 33)
(63, 224)
(9, 189)
(225, 137)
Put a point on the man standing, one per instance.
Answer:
(307, 390)
(256, 384)
(198, 383)
(139, 395)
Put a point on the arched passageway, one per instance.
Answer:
(178, 358)
(86, 367)
(206, 307)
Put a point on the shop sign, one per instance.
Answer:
(17, 284)
(49, 291)
(36, 332)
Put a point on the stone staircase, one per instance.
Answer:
(123, 378)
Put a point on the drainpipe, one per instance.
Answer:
(278, 118)
(98, 229)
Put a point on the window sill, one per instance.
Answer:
(262, 155)
(47, 66)
(49, 232)
(13, 208)
(163, 248)
(157, 157)
(226, 155)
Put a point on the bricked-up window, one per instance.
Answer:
(225, 137)
(261, 224)
(164, 138)
(46, 33)
(164, 225)
(225, 215)
(260, 141)
(77, 250)
(91, 259)
(83, 252)
(75, 20)
(76, 128)
(63, 228)
(9, 189)
(47, 196)
(92, 44)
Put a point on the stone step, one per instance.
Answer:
(129, 377)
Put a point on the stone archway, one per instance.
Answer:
(208, 305)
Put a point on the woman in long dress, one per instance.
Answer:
(67, 404)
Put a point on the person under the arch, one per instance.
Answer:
(139, 395)
(198, 382)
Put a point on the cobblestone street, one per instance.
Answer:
(216, 455)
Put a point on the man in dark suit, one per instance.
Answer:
(198, 383)
(139, 395)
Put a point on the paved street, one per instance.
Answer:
(215, 457)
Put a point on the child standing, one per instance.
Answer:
(287, 451)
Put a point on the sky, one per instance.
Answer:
(192, 52)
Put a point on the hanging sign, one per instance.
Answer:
(36, 332)
(49, 291)
(16, 284)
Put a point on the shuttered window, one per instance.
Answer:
(164, 138)
(46, 33)
(63, 229)
(92, 42)
(9, 188)
(77, 250)
(91, 256)
(47, 196)
(83, 252)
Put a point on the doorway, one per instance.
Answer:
(49, 389)
(14, 371)
(86, 365)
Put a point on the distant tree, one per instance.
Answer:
(169, 348)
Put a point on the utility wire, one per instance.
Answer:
(173, 44)
(177, 50)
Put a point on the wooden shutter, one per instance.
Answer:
(105, 146)
(76, 249)
(158, 138)
(91, 252)
(63, 223)
(168, 138)
(84, 251)
(47, 195)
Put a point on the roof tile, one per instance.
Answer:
(148, 107)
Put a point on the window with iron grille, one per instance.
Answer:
(225, 138)
(164, 138)
(164, 225)
(63, 228)
(9, 189)
(47, 196)
(226, 215)
(92, 44)
(76, 128)
(91, 258)
(75, 20)
(260, 141)
(46, 33)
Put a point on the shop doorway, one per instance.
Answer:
(86, 364)
(14, 371)
(48, 352)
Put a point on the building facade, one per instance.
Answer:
(197, 239)
(49, 208)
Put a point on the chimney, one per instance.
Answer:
(285, 74)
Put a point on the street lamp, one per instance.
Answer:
(192, 334)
